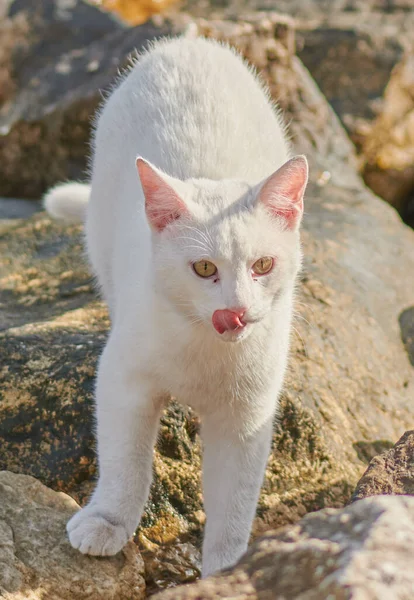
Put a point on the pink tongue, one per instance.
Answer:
(226, 320)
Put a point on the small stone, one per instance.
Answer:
(93, 66)
(324, 178)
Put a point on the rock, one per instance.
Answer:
(350, 49)
(389, 148)
(302, 9)
(71, 53)
(366, 38)
(391, 472)
(362, 551)
(350, 382)
(366, 56)
(56, 25)
(37, 561)
(34, 34)
(13, 34)
(13, 208)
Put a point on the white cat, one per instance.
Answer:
(196, 248)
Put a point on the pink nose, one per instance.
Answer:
(228, 320)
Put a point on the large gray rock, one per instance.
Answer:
(350, 382)
(67, 54)
(38, 563)
(364, 552)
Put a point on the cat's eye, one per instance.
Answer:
(205, 268)
(263, 265)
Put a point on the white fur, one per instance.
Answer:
(68, 202)
(194, 110)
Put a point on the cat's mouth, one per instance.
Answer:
(232, 324)
(228, 320)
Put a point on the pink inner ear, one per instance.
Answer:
(162, 203)
(282, 193)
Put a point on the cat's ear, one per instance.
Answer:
(282, 193)
(162, 200)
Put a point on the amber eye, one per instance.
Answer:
(263, 265)
(204, 268)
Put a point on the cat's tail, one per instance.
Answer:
(67, 201)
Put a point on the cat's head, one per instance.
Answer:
(224, 252)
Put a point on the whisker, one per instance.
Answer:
(302, 318)
(191, 239)
(304, 346)
(205, 236)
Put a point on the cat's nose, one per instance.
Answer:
(228, 319)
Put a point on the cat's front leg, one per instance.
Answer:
(127, 421)
(233, 468)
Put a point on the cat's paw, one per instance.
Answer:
(90, 533)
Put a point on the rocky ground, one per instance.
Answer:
(348, 396)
